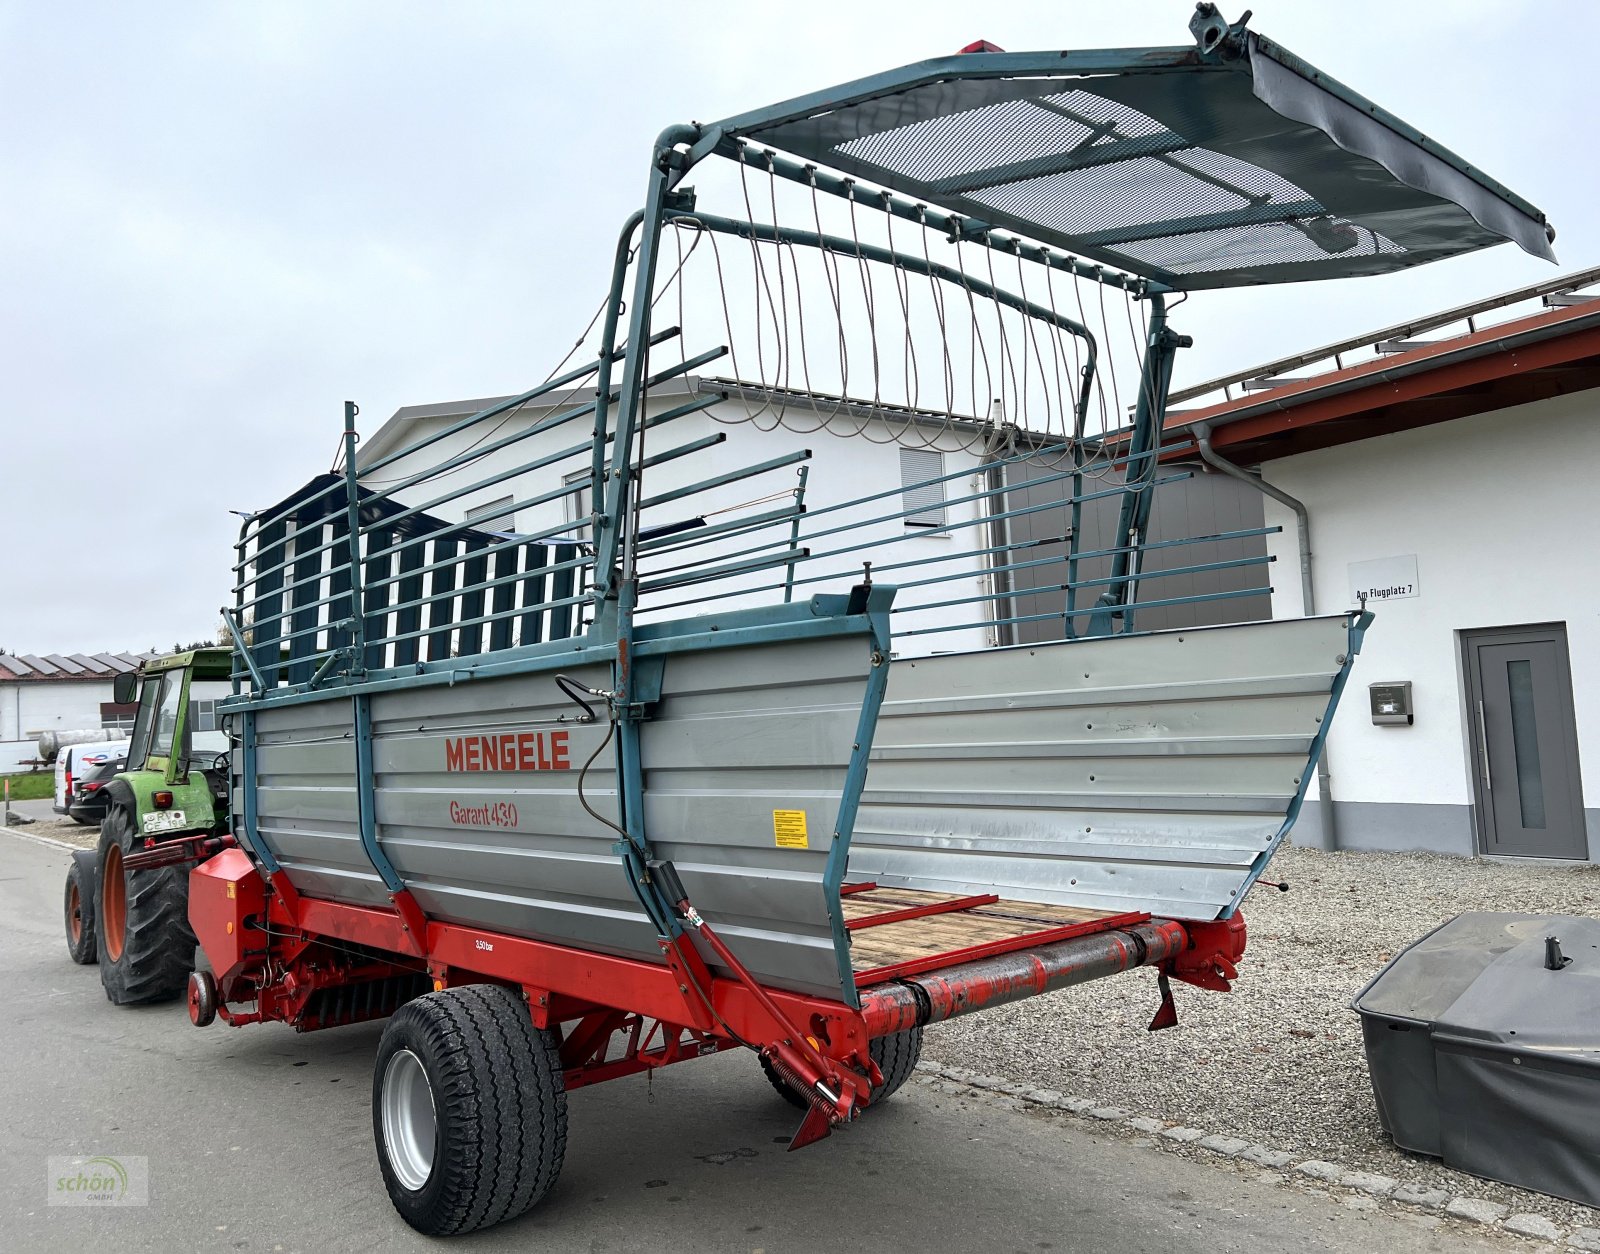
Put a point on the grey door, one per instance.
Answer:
(1525, 743)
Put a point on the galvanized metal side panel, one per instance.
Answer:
(306, 800)
(741, 737)
(507, 850)
(736, 734)
(1145, 772)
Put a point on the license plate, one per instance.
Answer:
(165, 821)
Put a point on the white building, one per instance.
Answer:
(857, 452)
(1451, 479)
(57, 693)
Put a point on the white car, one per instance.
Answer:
(76, 761)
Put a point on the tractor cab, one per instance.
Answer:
(176, 777)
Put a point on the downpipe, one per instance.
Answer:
(1308, 600)
(992, 475)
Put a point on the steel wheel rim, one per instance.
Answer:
(410, 1127)
(113, 902)
(74, 914)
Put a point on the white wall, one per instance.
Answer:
(841, 469)
(42, 705)
(1501, 511)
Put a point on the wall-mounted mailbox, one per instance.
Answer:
(1391, 704)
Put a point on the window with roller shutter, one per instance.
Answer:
(923, 500)
(494, 516)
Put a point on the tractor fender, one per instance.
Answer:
(122, 795)
(88, 861)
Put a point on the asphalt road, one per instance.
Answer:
(41, 809)
(260, 1139)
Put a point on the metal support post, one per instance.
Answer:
(1133, 520)
(794, 532)
(616, 546)
(352, 492)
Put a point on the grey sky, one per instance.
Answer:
(222, 220)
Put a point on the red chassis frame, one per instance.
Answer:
(313, 963)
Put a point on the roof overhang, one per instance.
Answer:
(393, 433)
(402, 423)
(1548, 354)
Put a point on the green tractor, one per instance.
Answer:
(127, 902)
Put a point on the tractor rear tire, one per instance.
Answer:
(895, 1055)
(143, 937)
(469, 1109)
(79, 909)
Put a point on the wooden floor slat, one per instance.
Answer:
(932, 934)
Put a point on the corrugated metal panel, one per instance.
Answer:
(1144, 772)
(737, 735)
(543, 868)
(1130, 772)
(306, 801)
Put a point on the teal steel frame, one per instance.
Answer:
(353, 670)
(273, 590)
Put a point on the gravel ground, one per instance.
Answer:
(1279, 1060)
(84, 836)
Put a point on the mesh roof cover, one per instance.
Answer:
(1215, 174)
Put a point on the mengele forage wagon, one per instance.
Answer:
(569, 803)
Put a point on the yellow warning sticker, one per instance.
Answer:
(789, 829)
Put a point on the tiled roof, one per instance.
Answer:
(68, 666)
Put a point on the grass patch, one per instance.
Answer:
(31, 785)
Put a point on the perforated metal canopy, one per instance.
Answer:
(1234, 166)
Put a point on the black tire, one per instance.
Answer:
(465, 1071)
(777, 1081)
(895, 1055)
(79, 909)
(150, 957)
